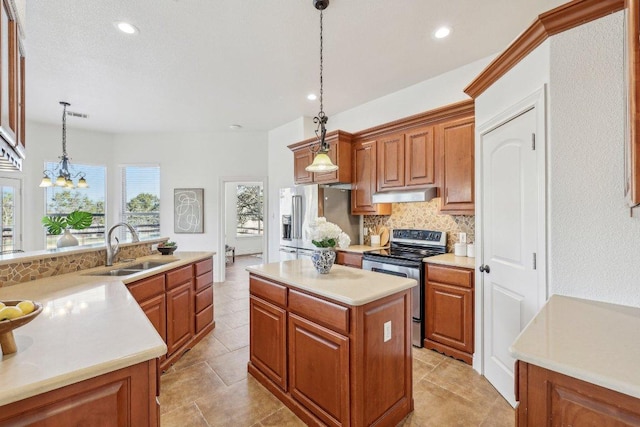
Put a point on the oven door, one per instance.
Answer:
(417, 294)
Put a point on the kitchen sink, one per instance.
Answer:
(131, 269)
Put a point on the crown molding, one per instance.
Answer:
(562, 18)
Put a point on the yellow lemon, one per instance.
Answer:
(26, 306)
(10, 312)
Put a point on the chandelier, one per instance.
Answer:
(63, 173)
(321, 161)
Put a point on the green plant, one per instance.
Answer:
(76, 220)
(167, 244)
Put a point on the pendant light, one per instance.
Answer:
(321, 162)
(63, 175)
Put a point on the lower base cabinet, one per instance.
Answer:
(319, 366)
(126, 397)
(548, 398)
(449, 311)
(179, 304)
(329, 362)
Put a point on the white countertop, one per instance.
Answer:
(452, 260)
(593, 341)
(359, 249)
(90, 325)
(348, 285)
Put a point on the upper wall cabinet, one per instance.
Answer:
(364, 180)
(406, 159)
(339, 153)
(12, 82)
(456, 150)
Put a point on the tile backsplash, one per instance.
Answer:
(424, 215)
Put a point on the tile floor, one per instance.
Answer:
(209, 385)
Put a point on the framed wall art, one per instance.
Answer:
(188, 205)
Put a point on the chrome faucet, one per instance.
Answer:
(112, 251)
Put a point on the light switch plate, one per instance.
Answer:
(463, 237)
(387, 331)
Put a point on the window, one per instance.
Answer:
(141, 199)
(62, 201)
(10, 213)
(249, 209)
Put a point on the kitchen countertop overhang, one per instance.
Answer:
(347, 285)
(90, 325)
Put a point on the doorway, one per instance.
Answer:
(242, 227)
(512, 238)
(10, 192)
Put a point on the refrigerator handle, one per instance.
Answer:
(296, 217)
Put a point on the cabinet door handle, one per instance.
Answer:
(485, 269)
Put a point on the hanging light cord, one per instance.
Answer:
(64, 129)
(321, 118)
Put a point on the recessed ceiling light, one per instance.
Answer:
(312, 97)
(442, 32)
(235, 127)
(126, 28)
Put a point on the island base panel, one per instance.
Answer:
(126, 397)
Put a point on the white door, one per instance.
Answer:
(10, 190)
(510, 234)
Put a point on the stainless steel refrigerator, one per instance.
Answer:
(302, 204)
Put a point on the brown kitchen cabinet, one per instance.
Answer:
(339, 153)
(407, 159)
(364, 180)
(203, 296)
(291, 331)
(179, 304)
(349, 259)
(449, 300)
(548, 398)
(126, 397)
(456, 166)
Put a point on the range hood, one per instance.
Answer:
(405, 196)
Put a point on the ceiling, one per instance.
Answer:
(202, 65)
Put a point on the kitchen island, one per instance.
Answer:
(91, 355)
(335, 348)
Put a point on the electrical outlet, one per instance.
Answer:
(387, 331)
(463, 237)
(365, 231)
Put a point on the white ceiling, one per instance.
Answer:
(202, 65)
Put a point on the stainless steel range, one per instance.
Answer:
(404, 258)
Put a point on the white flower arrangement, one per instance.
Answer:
(325, 234)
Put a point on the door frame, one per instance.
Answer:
(220, 260)
(537, 100)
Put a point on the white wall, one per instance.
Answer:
(195, 160)
(594, 245)
(436, 92)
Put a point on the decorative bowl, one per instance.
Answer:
(7, 342)
(167, 250)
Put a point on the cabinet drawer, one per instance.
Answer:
(204, 280)
(203, 266)
(332, 315)
(349, 259)
(204, 318)
(179, 276)
(204, 299)
(450, 275)
(269, 291)
(147, 288)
